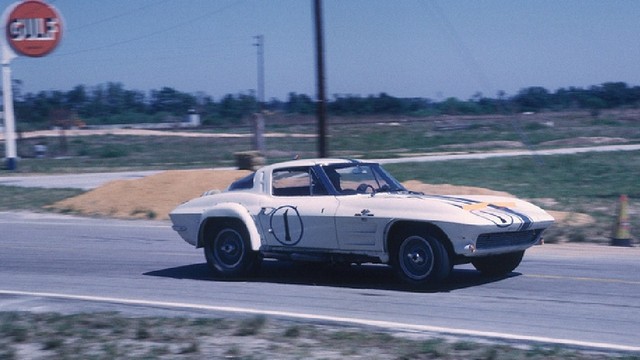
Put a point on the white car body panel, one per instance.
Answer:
(309, 224)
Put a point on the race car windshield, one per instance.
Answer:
(361, 178)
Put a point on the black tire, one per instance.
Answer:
(496, 265)
(421, 260)
(228, 252)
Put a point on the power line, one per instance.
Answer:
(120, 15)
(157, 32)
(465, 53)
(474, 65)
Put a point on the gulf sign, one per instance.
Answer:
(33, 28)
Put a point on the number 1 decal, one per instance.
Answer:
(286, 226)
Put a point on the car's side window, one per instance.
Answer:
(353, 177)
(300, 181)
(242, 184)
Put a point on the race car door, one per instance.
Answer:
(300, 213)
(358, 222)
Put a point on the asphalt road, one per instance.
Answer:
(585, 296)
(86, 181)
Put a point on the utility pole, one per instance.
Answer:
(322, 105)
(258, 121)
(259, 44)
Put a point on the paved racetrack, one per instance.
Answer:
(581, 295)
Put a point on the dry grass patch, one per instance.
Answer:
(115, 336)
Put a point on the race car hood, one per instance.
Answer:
(510, 214)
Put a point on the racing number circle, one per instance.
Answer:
(286, 225)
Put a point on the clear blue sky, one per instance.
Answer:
(406, 48)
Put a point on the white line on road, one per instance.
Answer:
(84, 225)
(583, 278)
(52, 219)
(347, 320)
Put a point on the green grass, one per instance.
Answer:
(115, 336)
(585, 183)
(19, 198)
(589, 183)
(112, 153)
(562, 177)
(348, 137)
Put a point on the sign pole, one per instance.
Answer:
(7, 102)
(32, 28)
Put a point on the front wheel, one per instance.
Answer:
(496, 265)
(228, 252)
(421, 260)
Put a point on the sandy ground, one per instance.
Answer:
(150, 197)
(153, 197)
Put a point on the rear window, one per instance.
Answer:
(299, 181)
(243, 184)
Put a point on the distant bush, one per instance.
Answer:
(111, 103)
(111, 151)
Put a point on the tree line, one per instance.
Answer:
(113, 103)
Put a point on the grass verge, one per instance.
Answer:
(34, 199)
(114, 336)
(585, 183)
(589, 183)
(355, 137)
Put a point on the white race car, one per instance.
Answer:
(347, 211)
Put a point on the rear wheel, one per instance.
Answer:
(228, 251)
(495, 265)
(421, 260)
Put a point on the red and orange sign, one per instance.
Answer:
(33, 28)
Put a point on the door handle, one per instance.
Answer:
(364, 212)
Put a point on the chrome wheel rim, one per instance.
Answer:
(229, 248)
(416, 258)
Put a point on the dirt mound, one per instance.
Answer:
(572, 218)
(150, 197)
(153, 197)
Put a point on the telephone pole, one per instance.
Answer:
(322, 105)
(258, 121)
(259, 44)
